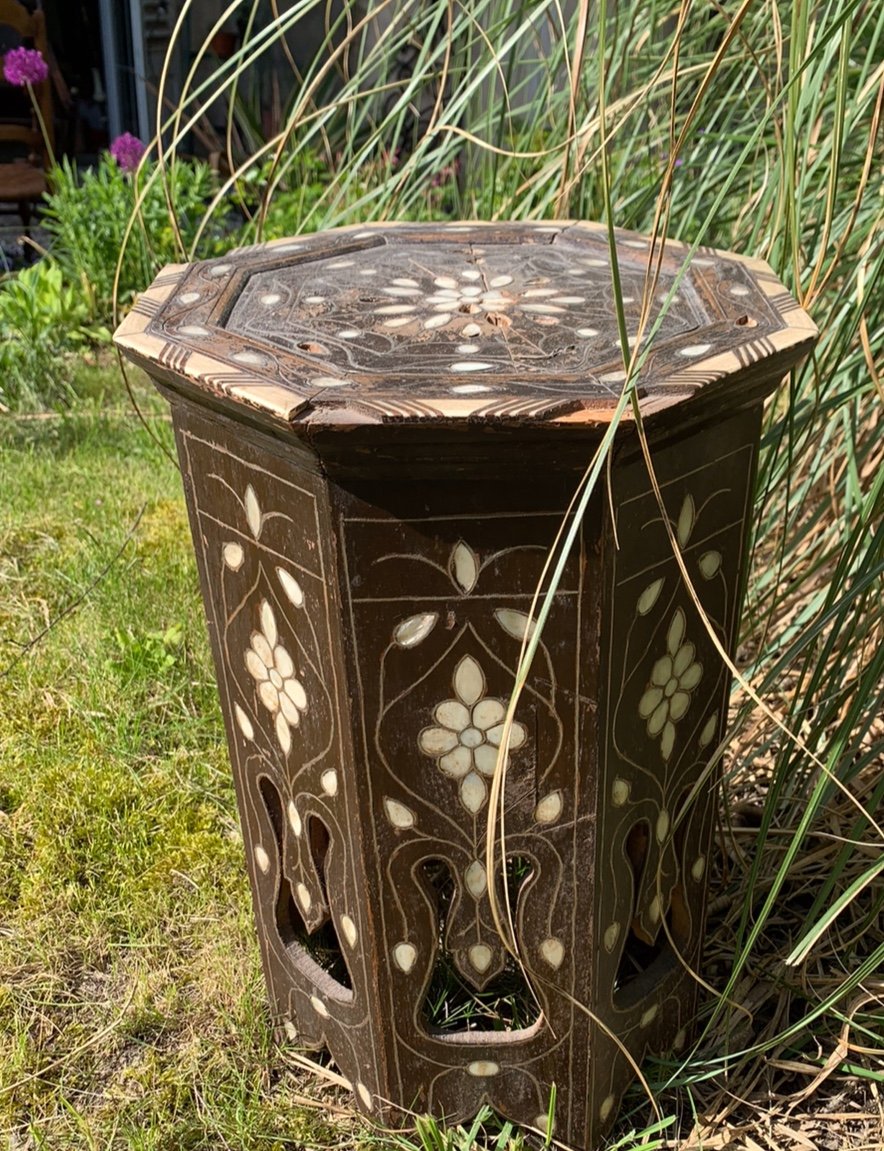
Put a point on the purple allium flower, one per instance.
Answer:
(23, 66)
(127, 150)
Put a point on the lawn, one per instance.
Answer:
(132, 1010)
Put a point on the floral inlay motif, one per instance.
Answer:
(673, 679)
(273, 670)
(470, 728)
(469, 301)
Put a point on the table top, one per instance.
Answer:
(446, 323)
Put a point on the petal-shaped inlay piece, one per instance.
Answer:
(233, 556)
(658, 718)
(606, 1108)
(456, 763)
(481, 956)
(291, 587)
(288, 709)
(348, 927)
(398, 814)
(650, 701)
(686, 518)
(291, 1032)
(649, 596)
(364, 1094)
(464, 567)
(691, 677)
(709, 728)
(476, 879)
(487, 713)
(517, 735)
(650, 1015)
(328, 781)
(412, 631)
(676, 632)
(256, 666)
(404, 955)
(553, 951)
(294, 818)
(268, 623)
(437, 740)
(262, 858)
(304, 897)
(654, 910)
(483, 1068)
(473, 793)
(243, 722)
(469, 681)
(667, 740)
(612, 934)
(662, 825)
(269, 696)
(683, 659)
(662, 671)
(679, 705)
(295, 690)
(453, 714)
(318, 1006)
(709, 564)
(550, 808)
(699, 866)
(515, 623)
(485, 758)
(253, 512)
(282, 661)
(283, 733)
(620, 790)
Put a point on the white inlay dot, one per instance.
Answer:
(303, 896)
(262, 858)
(252, 359)
(290, 1030)
(233, 556)
(553, 951)
(188, 297)
(318, 1006)
(649, 1016)
(612, 934)
(481, 956)
(620, 790)
(245, 724)
(364, 1094)
(698, 868)
(587, 333)
(270, 298)
(349, 929)
(467, 349)
(470, 366)
(606, 1108)
(398, 814)
(694, 350)
(736, 290)
(193, 330)
(219, 270)
(329, 382)
(549, 809)
(483, 1068)
(329, 781)
(662, 825)
(404, 955)
(294, 818)
(476, 879)
(349, 333)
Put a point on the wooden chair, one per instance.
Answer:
(23, 176)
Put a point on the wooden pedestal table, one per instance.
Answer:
(380, 429)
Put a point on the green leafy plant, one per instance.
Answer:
(42, 321)
(87, 215)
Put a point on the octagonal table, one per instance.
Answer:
(380, 430)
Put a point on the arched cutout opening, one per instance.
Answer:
(452, 1006)
(321, 945)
